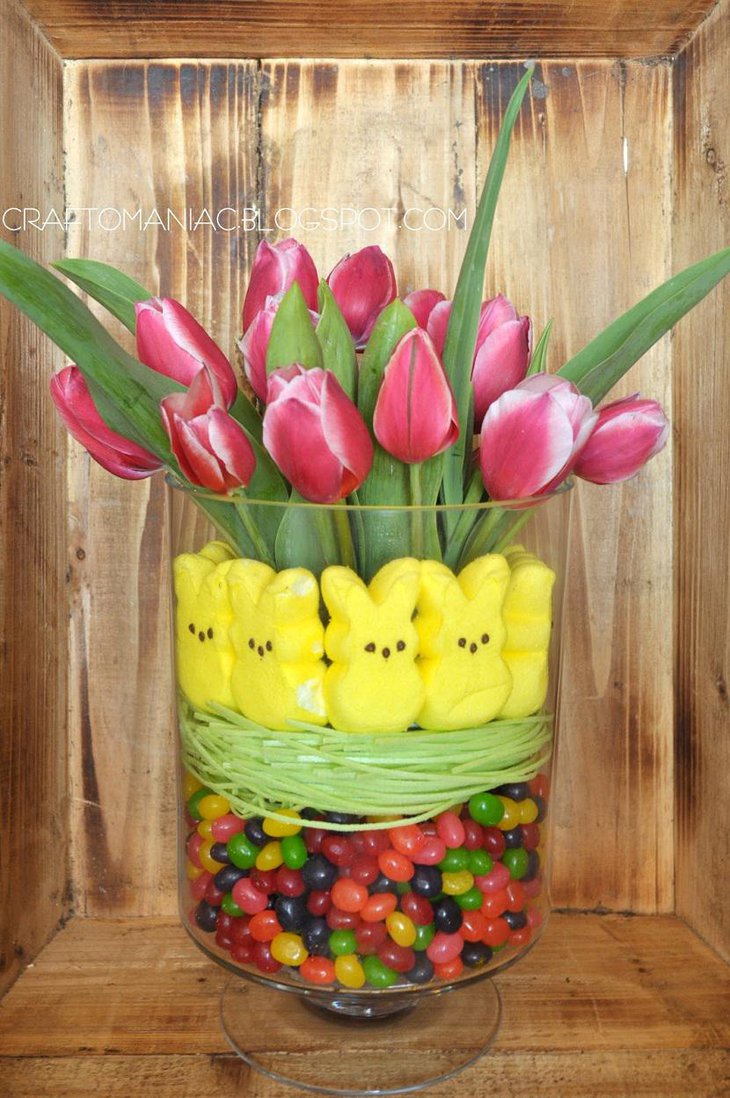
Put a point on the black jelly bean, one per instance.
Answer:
(533, 866)
(206, 916)
(318, 873)
(447, 915)
(219, 852)
(515, 919)
(475, 954)
(291, 911)
(513, 838)
(382, 884)
(516, 791)
(316, 936)
(342, 818)
(225, 878)
(310, 814)
(422, 971)
(255, 832)
(426, 881)
(541, 808)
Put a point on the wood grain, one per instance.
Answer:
(603, 1006)
(701, 410)
(33, 834)
(189, 133)
(368, 28)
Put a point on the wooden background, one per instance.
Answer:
(617, 177)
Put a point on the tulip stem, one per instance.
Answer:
(262, 551)
(417, 515)
(344, 536)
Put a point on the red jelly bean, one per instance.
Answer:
(319, 903)
(449, 970)
(494, 842)
(264, 880)
(249, 898)
(242, 952)
(432, 852)
(337, 919)
(264, 926)
(224, 941)
(318, 970)
(407, 840)
(520, 937)
(515, 896)
(289, 882)
(378, 907)
(532, 888)
(494, 904)
(530, 836)
(417, 908)
(239, 928)
(200, 884)
(365, 869)
(225, 826)
(313, 838)
(262, 958)
(213, 895)
(474, 926)
(193, 846)
(473, 834)
(450, 829)
(444, 947)
(338, 849)
(374, 842)
(399, 958)
(395, 865)
(495, 881)
(497, 932)
(348, 895)
(370, 937)
(540, 786)
(534, 917)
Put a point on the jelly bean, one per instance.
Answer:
(377, 973)
(530, 836)
(494, 881)
(426, 881)
(349, 971)
(444, 947)
(540, 786)
(319, 873)
(289, 881)
(205, 830)
(219, 852)
(520, 937)
(200, 884)
(473, 834)
(495, 903)
(248, 897)
(513, 838)
(382, 884)
(532, 887)
(533, 865)
(515, 920)
(534, 918)
(378, 907)
(424, 937)
(447, 915)
(194, 801)
(401, 929)
(264, 959)
(365, 869)
(213, 895)
(316, 936)
(374, 842)
(294, 851)
(319, 902)
(222, 940)
(226, 878)
(230, 907)
(348, 895)
(338, 849)
(528, 812)
(337, 919)
(264, 880)
(494, 843)
(454, 884)
(486, 809)
(417, 908)
(342, 942)
(450, 829)
(279, 829)
(206, 916)
(313, 838)
(206, 859)
(242, 851)
(255, 832)
(476, 954)
(432, 852)
(240, 931)
(515, 896)
(212, 806)
(516, 791)
(422, 971)
(471, 900)
(225, 827)
(291, 911)
(497, 932)
(395, 865)
(193, 846)
(449, 970)
(454, 861)
(541, 808)
(242, 952)
(370, 937)
(399, 958)
(190, 785)
(511, 814)
(269, 856)
(192, 872)
(407, 840)
(264, 926)
(516, 861)
(473, 926)
(479, 863)
(318, 970)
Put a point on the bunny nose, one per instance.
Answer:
(386, 653)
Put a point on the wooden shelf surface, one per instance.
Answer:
(604, 1005)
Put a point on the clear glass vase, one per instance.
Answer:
(367, 703)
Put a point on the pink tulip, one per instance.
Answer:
(627, 434)
(255, 343)
(362, 285)
(532, 435)
(170, 341)
(502, 353)
(431, 311)
(315, 434)
(211, 447)
(275, 268)
(415, 414)
(113, 452)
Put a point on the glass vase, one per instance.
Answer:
(367, 710)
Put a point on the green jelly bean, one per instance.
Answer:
(342, 942)
(377, 974)
(195, 801)
(486, 809)
(455, 860)
(230, 906)
(479, 863)
(294, 851)
(424, 937)
(242, 852)
(471, 900)
(516, 861)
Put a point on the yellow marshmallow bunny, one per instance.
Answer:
(527, 614)
(203, 617)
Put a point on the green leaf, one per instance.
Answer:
(338, 346)
(464, 320)
(597, 368)
(293, 338)
(126, 393)
(114, 290)
(539, 355)
(389, 329)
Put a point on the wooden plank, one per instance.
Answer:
(581, 235)
(602, 1006)
(368, 28)
(33, 836)
(701, 410)
(150, 138)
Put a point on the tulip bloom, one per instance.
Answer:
(432, 311)
(113, 452)
(211, 447)
(362, 285)
(315, 434)
(275, 268)
(502, 353)
(255, 343)
(170, 341)
(627, 434)
(415, 414)
(532, 435)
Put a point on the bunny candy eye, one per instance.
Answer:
(462, 642)
(191, 627)
(401, 646)
(370, 647)
(210, 634)
(485, 638)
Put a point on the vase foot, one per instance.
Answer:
(346, 1046)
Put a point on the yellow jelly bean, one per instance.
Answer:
(349, 971)
(205, 859)
(383, 819)
(190, 785)
(205, 828)
(455, 884)
(192, 872)
(289, 949)
(528, 811)
(269, 857)
(213, 806)
(511, 814)
(279, 830)
(401, 929)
